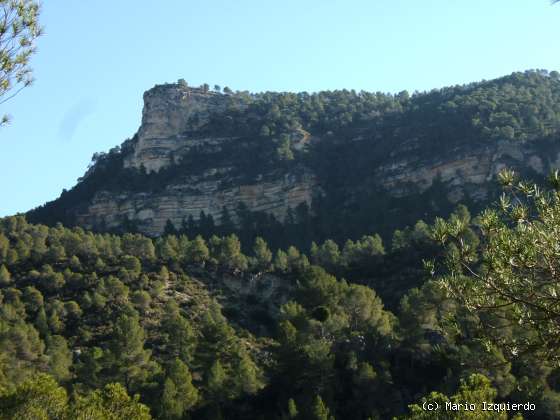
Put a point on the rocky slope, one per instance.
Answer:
(184, 162)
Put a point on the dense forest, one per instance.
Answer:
(460, 310)
(353, 134)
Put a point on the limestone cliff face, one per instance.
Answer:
(179, 201)
(465, 171)
(171, 113)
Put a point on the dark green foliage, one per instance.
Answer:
(60, 358)
(179, 334)
(114, 309)
(128, 360)
(179, 394)
(262, 255)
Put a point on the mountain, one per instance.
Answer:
(343, 325)
(297, 167)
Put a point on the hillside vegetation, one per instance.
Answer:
(187, 327)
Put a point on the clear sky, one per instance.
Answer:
(98, 57)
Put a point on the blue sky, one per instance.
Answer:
(97, 58)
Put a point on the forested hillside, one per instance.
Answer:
(324, 255)
(194, 327)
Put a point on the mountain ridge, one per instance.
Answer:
(200, 154)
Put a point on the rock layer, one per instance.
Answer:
(152, 211)
(466, 172)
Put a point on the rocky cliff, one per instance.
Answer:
(173, 128)
(199, 151)
(170, 113)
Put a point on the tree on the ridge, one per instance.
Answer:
(169, 228)
(226, 222)
(281, 261)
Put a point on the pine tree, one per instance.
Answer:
(226, 222)
(215, 381)
(131, 362)
(181, 339)
(198, 251)
(60, 358)
(171, 407)
(263, 255)
(230, 255)
(5, 276)
(169, 228)
(163, 274)
(141, 300)
(319, 410)
(179, 394)
(281, 261)
(206, 224)
(167, 248)
(4, 247)
(41, 323)
(292, 409)
(284, 150)
(247, 376)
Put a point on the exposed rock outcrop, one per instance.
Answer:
(178, 202)
(465, 171)
(171, 114)
(223, 172)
